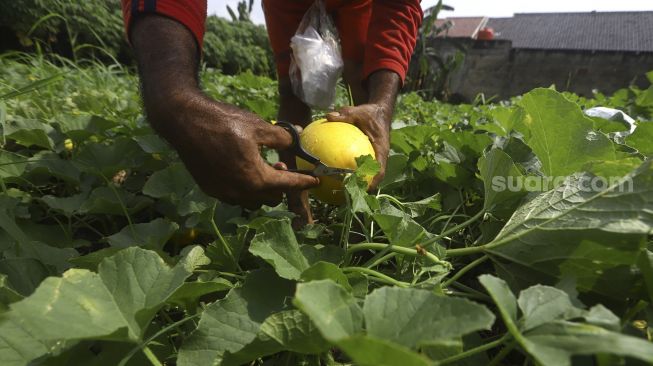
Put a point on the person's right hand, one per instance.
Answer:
(219, 143)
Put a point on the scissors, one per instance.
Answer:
(320, 169)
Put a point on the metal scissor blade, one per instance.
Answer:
(321, 170)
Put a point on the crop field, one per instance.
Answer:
(513, 233)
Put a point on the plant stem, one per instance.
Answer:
(454, 229)
(465, 269)
(381, 260)
(378, 275)
(475, 350)
(399, 250)
(217, 232)
(151, 356)
(143, 345)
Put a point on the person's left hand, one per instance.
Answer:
(374, 120)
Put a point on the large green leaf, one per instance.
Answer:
(107, 159)
(75, 306)
(7, 294)
(326, 271)
(82, 127)
(576, 232)
(46, 164)
(369, 351)
(399, 226)
(542, 304)
(113, 201)
(409, 316)
(29, 132)
(334, 311)
(555, 343)
(140, 282)
(642, 138)
(295, 332)
(24, 274)
(118, 303)
(501, 179)
(546, 332)
(234, 322)
(151, 235)
(275, 242)
(67, 205)
(560, 134)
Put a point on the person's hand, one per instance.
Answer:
(375, 117)
(220, 145)
(374, 120)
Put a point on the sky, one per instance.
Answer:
(492, 8)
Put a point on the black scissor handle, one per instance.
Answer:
(296, 147)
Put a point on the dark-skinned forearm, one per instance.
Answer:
(383, 87)
(168, 60)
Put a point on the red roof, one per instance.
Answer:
(463, 27)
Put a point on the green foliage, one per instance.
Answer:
(111, 255)
(94, 30)
(89, 29)
(237, 46)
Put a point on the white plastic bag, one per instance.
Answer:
(614, 115)
(316, 62)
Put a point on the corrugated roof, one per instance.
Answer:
(462, 26)
(595, 31)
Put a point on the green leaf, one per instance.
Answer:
(7, 294)
(395, 171)
(367, 166)
(46, 164)
(356, 189)
(555, 343)
(275, 242)
(66, 205)
(113, 201)
(24, 274)
(322, 253)
(409, 316)
(175, 185)
(500, 178)
(641, 138)
(190, 292)
(230, 324)
(369, 351)
(141, 282)
(152, 144)
(107, 159)
(332, 309)
(502, 296)
(82, 127)
(55, 257)
(398, 226)
(576, 232)
(419, 208)
(92, 260)
(560, 134)
(151, 235)
(173, 182)
(326, 271)
(12, 165)
(75, 306)
(542, 304)
(295, 332)
(29, 132)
